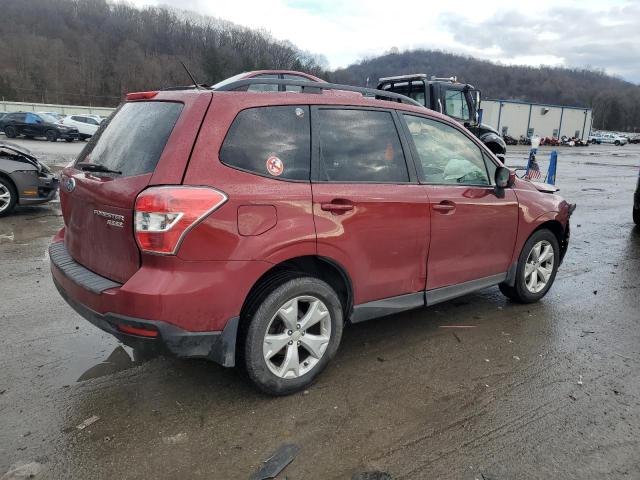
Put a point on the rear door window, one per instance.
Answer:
(132, 141)
(359, 146)
(270, 141)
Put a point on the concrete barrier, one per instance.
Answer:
(49, 107)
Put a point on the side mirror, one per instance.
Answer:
(503, 178)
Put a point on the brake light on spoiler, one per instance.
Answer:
(141, 95)
(164, 215)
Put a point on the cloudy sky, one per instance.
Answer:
(598, 34)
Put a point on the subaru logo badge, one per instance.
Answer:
(69, 184)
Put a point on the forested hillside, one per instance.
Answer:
(92, 51)
(616, 103)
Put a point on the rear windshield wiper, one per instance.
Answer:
(95, 167)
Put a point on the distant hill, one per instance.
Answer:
(616, 103)
(92, 51)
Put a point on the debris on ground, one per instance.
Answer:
(22, 470)
(580, 380)
(515, 357)
(372, 476)
(175, 439)
(272, 466)
(87, 422)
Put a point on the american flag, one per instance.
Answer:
(533, 172)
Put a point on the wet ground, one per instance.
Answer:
(550, 390)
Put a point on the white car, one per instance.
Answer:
(612, 138)
(87, 125)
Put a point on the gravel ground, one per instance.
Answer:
(550, 390)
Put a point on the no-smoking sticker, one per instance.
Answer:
(275, 166)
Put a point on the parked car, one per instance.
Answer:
(87, 125)
(252, 232)
(636, 203)
(33, 125)
(594, 139)
(56, 115)
(613, 138)
(23, 179)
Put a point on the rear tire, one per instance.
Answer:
(537, 268)
(10, 132)
(617, 143)
(292, 334)
(636, 216)
(8, 197)
(51, 135)
(68, 140)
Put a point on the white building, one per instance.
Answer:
(511, 117)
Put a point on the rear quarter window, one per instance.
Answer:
(270, 141)
(133, 139)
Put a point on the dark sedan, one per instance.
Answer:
(33, 125)
(23, 179)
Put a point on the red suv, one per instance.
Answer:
(250, 227)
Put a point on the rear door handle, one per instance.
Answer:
(336, 207)
(445, 207)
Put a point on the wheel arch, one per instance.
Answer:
(559, 231)
(324, 268)
(317, 266)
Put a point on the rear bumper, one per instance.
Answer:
(215, 346)
(195, 314)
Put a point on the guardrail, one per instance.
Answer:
(6, 106)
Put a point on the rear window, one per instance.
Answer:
(133, 139)
(270, 141)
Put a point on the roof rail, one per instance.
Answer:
(316, 87)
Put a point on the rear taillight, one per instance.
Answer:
(164, 215)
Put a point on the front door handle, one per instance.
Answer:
(445, 207)
(336, 207)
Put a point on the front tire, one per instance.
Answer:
(293, 333)
(8, 197)
(537, 268)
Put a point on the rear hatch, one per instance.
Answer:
(143, 143)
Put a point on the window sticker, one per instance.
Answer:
(275, 166)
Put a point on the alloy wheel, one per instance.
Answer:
(539, 266)
(297, 337)
(5, 197)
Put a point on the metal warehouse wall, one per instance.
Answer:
(48, 107)
(520, 118)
